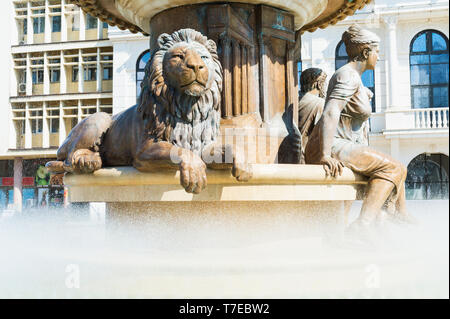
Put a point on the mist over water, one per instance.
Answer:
(74, 254)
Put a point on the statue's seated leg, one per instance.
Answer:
(79, 153)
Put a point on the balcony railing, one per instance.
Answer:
(407, 119)
(431, 118)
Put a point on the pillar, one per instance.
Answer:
(46, 75)
(62, 75)
(18, 167)
(45, 128)
(30, 30)
(82, 31)
(80, 72)
(29, 76)
(48, 29)
(28, 135)
(63, 21)
(391, 22)
(99, 69)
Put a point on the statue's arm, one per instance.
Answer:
(327, 127)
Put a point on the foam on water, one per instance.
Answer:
(61, 254)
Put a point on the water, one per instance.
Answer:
(66, 254)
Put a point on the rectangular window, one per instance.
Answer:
(38, 25)
(107, 73)
(54, 125)
(38, 76)
(91, 22)
(90, 73)
(74, 74)
(54, 122)
(55, 75)
(56, 24)
(25, 28)
(36, 124)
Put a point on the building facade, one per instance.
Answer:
(51, 40)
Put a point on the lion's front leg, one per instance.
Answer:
(217, 156)
(163, 155)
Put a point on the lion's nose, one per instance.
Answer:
(194, 62)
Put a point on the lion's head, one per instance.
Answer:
(181, 90)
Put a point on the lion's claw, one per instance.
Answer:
(84, 162)
(193, 176)
(242, 171)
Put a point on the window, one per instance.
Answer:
(74, 74)
(25, 23)
(54, 75)
(140, 70)
(54, 122)
(56, 21)
(428, 58)
(107, 73)
(299, 74)
(368, 77)
(427, 177)
(90, 73)
(38, 25)
(37, 76)
(36, 123)
(91, 22)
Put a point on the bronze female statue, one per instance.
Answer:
(338, 140)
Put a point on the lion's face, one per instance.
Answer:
(189, 68)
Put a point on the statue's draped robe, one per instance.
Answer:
(310, 109)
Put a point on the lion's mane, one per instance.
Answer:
(186, 121)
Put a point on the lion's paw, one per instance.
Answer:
(242, 171)
(84, 162)
(193, 175)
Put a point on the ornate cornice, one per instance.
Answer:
(96, 10)
(348, 8)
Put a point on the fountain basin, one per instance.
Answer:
(278, 195)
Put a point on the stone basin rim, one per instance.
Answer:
(263, 174)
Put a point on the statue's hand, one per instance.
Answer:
(193, 174)
(332, 166)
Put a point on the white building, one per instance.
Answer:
(47, 98)
(49, 42)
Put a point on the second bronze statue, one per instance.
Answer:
(174, 125)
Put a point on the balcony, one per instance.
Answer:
(412, 120)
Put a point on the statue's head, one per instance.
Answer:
(313, 79)
(361, 45)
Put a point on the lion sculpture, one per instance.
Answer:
(176, 120)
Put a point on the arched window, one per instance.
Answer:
(368, 77)
(140, 70)
(427, 177)
(428, 58)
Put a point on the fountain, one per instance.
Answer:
(253, 231)
(258, 44)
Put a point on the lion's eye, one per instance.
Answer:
(204, 57)
(179, 56)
